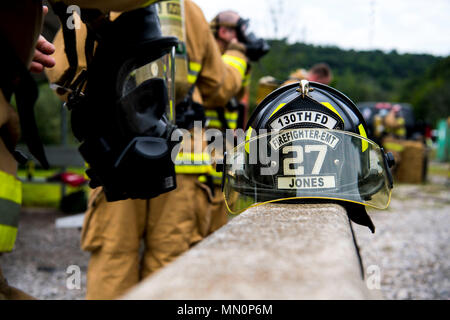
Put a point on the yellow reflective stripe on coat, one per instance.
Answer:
(10, 200)
(193, 72)
(237, 63)
(213, 121)
(193, 163)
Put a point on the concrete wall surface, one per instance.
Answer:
(273, 251)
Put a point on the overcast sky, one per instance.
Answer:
(413, 26)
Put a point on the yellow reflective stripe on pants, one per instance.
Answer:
(237, 63)
(193, 72)
(193, 163)
(10, 201)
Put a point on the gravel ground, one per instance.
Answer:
(410, 248)
(411, 245)
(39, 263)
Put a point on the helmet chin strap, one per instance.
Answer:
(358, 214)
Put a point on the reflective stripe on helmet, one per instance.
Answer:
(237, 63)
(329, 106)
(362, 132)
(247, 138)
(278, 108)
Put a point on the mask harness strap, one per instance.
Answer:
(70, 43)
(95, 21)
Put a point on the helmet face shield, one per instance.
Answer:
(306, 163)
(147, 87)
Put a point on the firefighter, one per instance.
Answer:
(231, 31)
(172, 222)
(319, 72)
(23, 50)
(394, 122)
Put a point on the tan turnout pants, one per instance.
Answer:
(167, 225)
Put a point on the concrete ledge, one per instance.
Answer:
(274, 251)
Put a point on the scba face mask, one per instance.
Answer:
(125, 117)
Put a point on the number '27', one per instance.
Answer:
(299, 158)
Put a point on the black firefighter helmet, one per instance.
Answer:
(307, 143)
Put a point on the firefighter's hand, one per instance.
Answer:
(44, 49)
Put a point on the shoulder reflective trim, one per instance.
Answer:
(9, 213)
(329, 106)
(363, 134)
(10, 188)
(237, 63)
(278, 108)
(247, 138)
(8, 237)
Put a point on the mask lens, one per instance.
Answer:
(161, 69)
